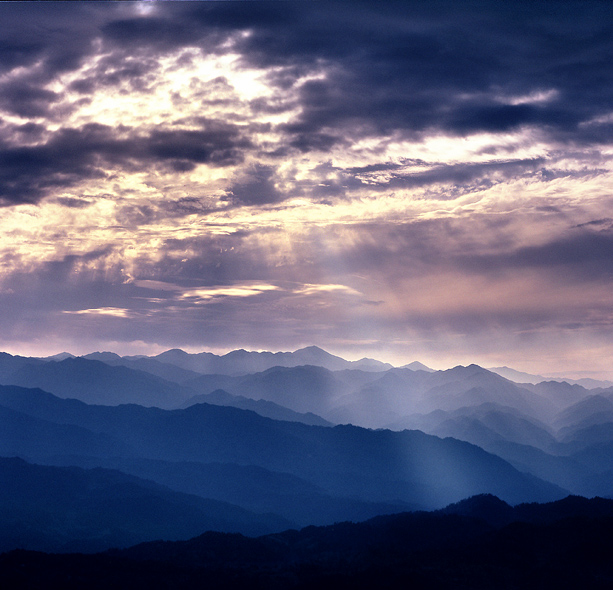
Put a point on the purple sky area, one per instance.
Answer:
(427, 180)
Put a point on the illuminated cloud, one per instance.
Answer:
(429, 181)
(315, 289)
(103, 311)
(207, 294)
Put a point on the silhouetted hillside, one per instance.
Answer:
(252, 455)
(256, 489)
(480, 543)
(71, 509)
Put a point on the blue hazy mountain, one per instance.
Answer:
(242, 362)
(46, 432)
(560, 393)
(367, 398)
(254, 488)
(163, 451)
(301, 389)
(377, 399)
(26, 435)
(219, 397)
(72, 509)
(265, 441)
(517, 433)
(522, 377)
(96, 382)
(390, 398)
(483, 424)
(148, 365)
(594, 409)
(344, 461)
(571, 457)
(9, 364)
(417, 366)
(398, 393)
(517, 376)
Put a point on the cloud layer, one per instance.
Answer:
(395, 179)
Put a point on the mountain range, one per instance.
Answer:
(478, 543)
(105, 451)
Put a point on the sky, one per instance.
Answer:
(399, 180)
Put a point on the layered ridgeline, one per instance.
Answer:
(307, 438)
(481, 542)
(296, 473)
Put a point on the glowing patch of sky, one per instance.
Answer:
(302, 219)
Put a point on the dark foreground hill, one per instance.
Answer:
(562, 545)
(71, 509)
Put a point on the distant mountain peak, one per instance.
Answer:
(312, 348)
(101, 356)
(471, 369)
(315, 350)
(516, 376)
(417, 366)
(61, 356)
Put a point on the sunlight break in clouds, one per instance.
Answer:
(432, 181)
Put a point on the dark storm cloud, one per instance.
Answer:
(257, 188)
(73, 202)
(480, 174)
(115, 70)
(35, 47)
(579, 256)
(388, 69)
(52, 283)
(242, 256)
(213, 260)
(454, 178)
(497, 118)
(399, 67)
(219, 145)
(396, 252)
(388, 259)
(335, 74)
(73, 155)
(29, 131)
(52, 39)
(393, 67)
(605, 224)
(161, 32)
(15, 53)
(404, 54)
(26, 99)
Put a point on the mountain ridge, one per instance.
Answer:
(480, 542)
(380, 466)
